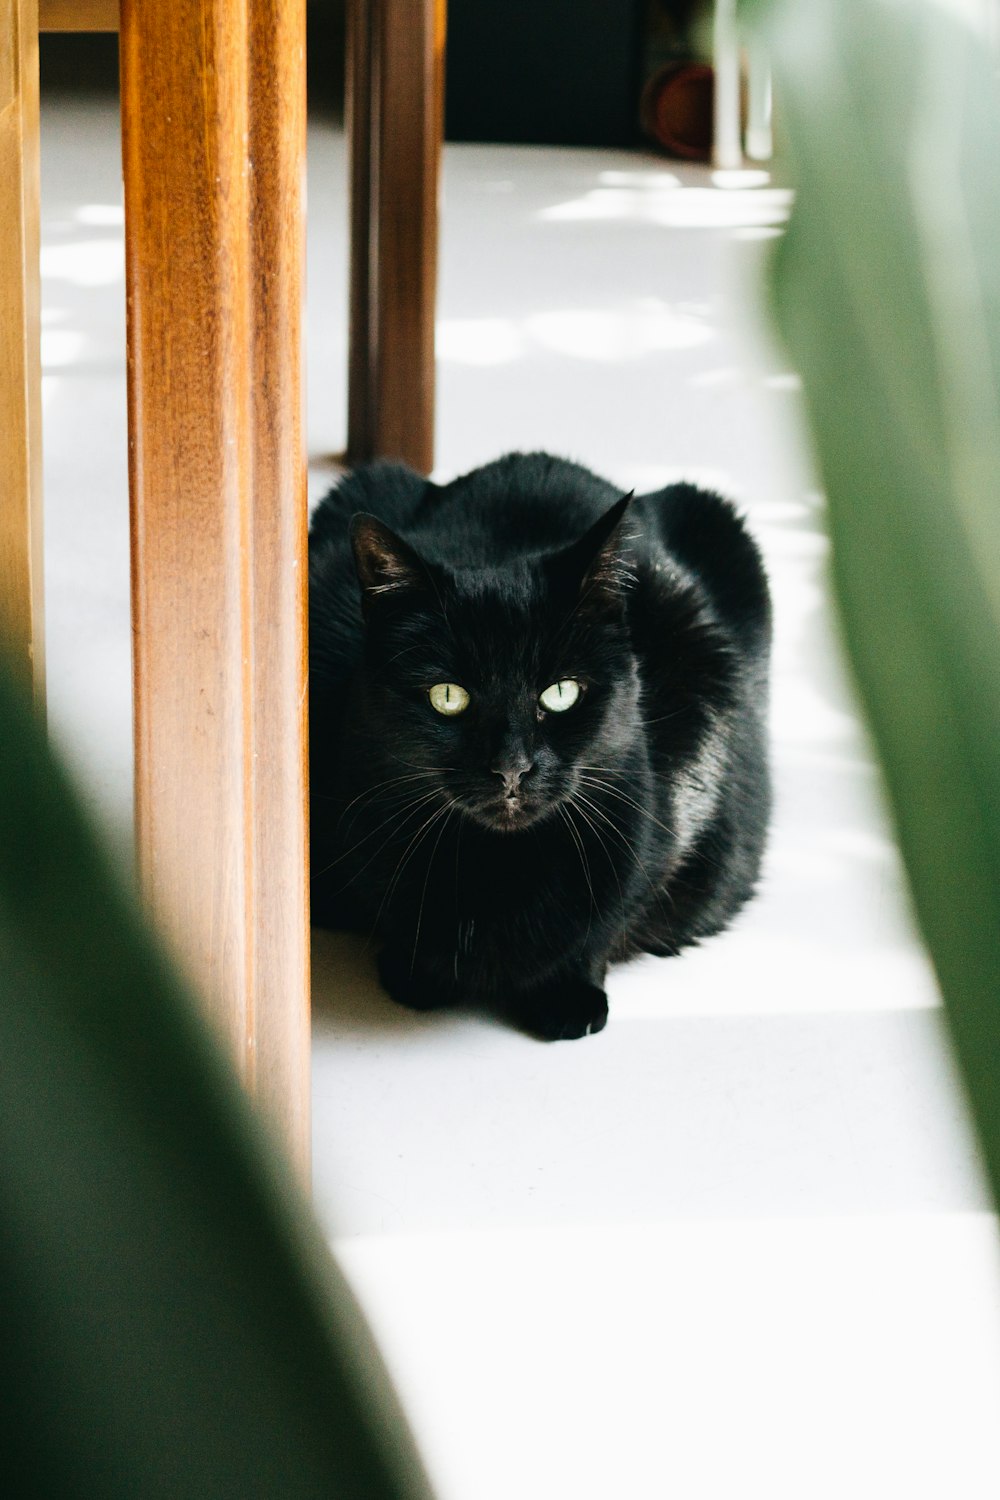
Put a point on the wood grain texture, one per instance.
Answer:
(278, 526)
(395, 85)
(213, 146)
(21, 560)
(78, 15)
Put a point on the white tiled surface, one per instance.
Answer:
(738, 1244)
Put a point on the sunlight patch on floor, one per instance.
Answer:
(730, 200)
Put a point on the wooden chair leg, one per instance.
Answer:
(395, 78)
(727, 146)
(21, 560)
(213, 96)
(760, 139)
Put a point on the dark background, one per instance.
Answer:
(543, 72)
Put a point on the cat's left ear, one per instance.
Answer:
(387, 566)
(596, 566)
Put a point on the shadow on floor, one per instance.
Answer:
(348, 999)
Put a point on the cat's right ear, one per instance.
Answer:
(387, 566)
(595, 568)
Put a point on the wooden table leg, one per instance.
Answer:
(213, 101)
(760, 138)
(727, 145)
(395, 84)
(21, 561)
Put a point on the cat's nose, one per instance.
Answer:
(511, 772)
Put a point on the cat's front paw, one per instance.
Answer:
(562, 1012)
(407, 988)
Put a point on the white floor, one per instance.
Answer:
(739, 1243)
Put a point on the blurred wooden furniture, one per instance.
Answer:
(213, 153)
(394, 114)
(213, 149)
(728, 140)
(213, 117)
(727, 143)
(21, 561)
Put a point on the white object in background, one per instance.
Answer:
(760, 141)
(727, 148)
(991, 26)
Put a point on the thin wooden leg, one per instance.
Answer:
(213, 114)
(760, 141)
(727, 149)
(21, 561)
(395, 72)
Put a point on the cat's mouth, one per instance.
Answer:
(513, 812)
(506, 813)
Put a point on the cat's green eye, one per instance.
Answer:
(448, 698)
(560, 696)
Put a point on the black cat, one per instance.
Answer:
(537, 729)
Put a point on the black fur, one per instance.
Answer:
(508, 854)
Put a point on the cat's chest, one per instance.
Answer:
(479, 907)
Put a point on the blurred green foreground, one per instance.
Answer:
(171, 1324)
(886, 293)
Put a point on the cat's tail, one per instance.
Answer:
(707, 535)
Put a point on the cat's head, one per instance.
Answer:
(495, 687)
